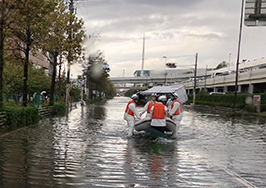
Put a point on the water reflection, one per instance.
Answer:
(151, 163)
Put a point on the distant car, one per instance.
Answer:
(217, 93)
(217, 74)
(242, 70)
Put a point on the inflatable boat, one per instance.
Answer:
(145, 125)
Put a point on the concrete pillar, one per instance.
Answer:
(251, 88)
(225, 89)
(214, 89)
(239, 89)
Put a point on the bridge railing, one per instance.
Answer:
(256, 76)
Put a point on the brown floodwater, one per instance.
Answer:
(90, 148)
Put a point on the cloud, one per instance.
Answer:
(172, 28)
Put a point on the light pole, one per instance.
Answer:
(195, 81)
(165, 70)
(195, 74)
(238, 53)
(229, 61)
(205, 77)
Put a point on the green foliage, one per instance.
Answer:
(98, 78)
(227, 100)
(93, 101)
(38, 80)
(75, 93)
(251, 108)
(221, 65)
(11, 103)
(13, 79)
(20, 116)
(60, 108)
(130, 92)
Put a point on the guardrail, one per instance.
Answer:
(2, 118)
(250, 77)
(46, 111)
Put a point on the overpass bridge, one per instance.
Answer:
(252, 81)
(160, 79)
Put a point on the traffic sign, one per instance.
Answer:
(255, 13)
(82, 88)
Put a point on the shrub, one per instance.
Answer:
(20, 116)
(227, 100)
(60, 108)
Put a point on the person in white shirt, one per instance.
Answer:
(131, 113)
(169, 103)
(175, 112)
(159, 114)
(149, 105)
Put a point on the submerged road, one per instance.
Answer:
(90, 148)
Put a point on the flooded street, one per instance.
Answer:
(90, 148)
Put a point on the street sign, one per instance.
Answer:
(82, 88)
(255, 13)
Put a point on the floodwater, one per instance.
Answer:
(90, 148)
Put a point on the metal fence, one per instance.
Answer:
(33, 99)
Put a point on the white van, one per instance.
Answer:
(217, 74)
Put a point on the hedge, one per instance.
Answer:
(20, 116)
(59, 108)
(227, 100)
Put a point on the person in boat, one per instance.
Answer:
(169, 103)
(149, 105)
(131, 113)
(175, 111)
(159, 114)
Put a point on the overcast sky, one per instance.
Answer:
(173, 28)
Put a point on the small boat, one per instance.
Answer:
(145, 125)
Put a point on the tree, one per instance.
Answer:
(221, 65)
(76, 35)
(28, 29)
(6, 9)
(55, 41)
(97, 75)
(13, 79)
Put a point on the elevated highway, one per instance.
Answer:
(151, 79)
(248, 82)
(252, 81)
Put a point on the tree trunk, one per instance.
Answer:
(25, 77)
(54, 64)
(1, 63)
(59, 77)
(26, 68)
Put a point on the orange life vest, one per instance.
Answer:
(158, 111)
(149, 107)
(178, 111)
(128, 111)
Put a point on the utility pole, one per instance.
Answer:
(143, 51)
(205, 77)
(165, 69)
(238, 53)
(195, 81)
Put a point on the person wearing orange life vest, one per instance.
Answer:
(175, 112)
(149, 105)
(159, 114)
(131, 113)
